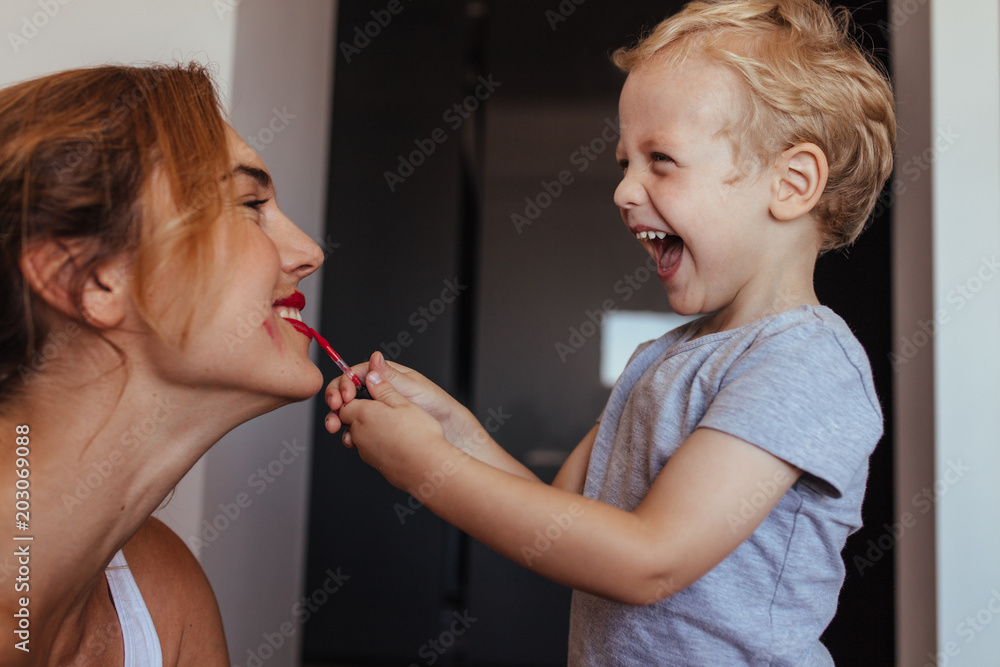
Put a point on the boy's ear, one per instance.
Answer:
(800, 175)
(49, 266)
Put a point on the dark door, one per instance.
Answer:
(472, 235)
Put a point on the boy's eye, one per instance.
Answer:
(660, 157)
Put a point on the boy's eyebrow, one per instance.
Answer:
(660, 139)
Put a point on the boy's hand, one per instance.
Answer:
(453, 417)
(393, 435)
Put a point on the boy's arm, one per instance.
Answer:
(694, 515)
(573, 472)
(461, 428)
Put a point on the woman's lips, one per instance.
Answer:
(294, 300)
(289, 309)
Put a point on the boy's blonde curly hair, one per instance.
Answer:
(805, 79)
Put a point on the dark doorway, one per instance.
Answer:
(462, 254)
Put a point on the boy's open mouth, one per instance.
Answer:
(668, 249)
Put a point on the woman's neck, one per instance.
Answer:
(102, 454)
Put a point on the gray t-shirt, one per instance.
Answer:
(798, 385)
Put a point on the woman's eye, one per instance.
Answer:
(623, 164)
(255, 204)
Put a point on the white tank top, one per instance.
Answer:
(142, 645)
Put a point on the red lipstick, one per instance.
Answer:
(295, 300)
(298, 301)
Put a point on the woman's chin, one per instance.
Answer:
(307, 384)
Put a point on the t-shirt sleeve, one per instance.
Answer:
(805, 397)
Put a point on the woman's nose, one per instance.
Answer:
(299, 254)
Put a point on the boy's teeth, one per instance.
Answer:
(649, 236)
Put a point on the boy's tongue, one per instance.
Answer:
(669, 253)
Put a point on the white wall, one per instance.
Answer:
(947, 320)
(273, 61)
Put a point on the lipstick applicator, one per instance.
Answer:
(337, 359)
(307, 330)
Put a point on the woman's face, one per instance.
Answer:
(244, 343)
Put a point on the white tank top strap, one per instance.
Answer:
(142, 645)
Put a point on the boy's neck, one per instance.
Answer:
(788, 285)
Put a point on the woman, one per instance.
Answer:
(137, 231)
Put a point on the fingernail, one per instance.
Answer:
(374, 378)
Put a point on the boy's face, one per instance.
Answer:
(678, 184)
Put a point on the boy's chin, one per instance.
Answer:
(681, 307)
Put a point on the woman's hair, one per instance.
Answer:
(804, 79)
(79, 153)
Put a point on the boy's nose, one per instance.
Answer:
(630, 193)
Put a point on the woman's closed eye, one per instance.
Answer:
(255, 204)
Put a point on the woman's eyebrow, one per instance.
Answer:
(259, 175)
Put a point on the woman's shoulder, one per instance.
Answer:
(178, 596)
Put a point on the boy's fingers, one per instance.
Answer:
(377, 364)
(383, 391)
(332, 423)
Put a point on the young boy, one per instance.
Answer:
(701, 521)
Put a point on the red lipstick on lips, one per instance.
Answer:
(298, 301)
(295, 300)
